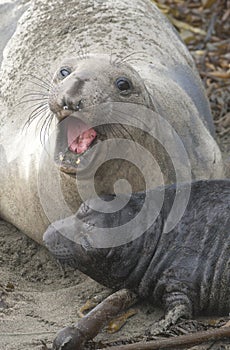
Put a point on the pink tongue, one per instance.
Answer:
(79, 136)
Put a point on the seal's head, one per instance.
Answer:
(81, 98)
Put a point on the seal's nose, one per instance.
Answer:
(59, 246)
(68, 105)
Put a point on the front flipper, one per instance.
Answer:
(177, 306)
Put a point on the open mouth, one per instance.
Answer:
(75, 138)
(79, 136)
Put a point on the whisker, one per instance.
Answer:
(32, 100)
(41, 83)
(35, 113)
(36, 93)
(37, 99)
(41, 86)
(42, 126)
(124, 59)
(37, 105)
(124, 132)
(43, 80)
(44, 129)
(42, 67)
(113, 61)
(50, 118)
(127, 132)
(39, 108)
(112, 128)
(133, 59)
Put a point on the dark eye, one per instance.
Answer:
(64, 72)
(123, 84)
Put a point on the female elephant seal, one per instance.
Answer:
(143, 89)
(185, 270)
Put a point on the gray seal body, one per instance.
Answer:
(133, 36)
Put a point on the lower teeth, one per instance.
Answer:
(69, 158)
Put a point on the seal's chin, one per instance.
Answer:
(74, 140)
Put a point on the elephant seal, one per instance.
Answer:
(167, 91)
(186, 268)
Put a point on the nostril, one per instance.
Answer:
(68, 105)
(65, 103)
(78, 106)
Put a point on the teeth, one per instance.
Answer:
(69, 161)
(61, 157)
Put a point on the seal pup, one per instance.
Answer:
(184, 270)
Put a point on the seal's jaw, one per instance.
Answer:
(74, 139)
